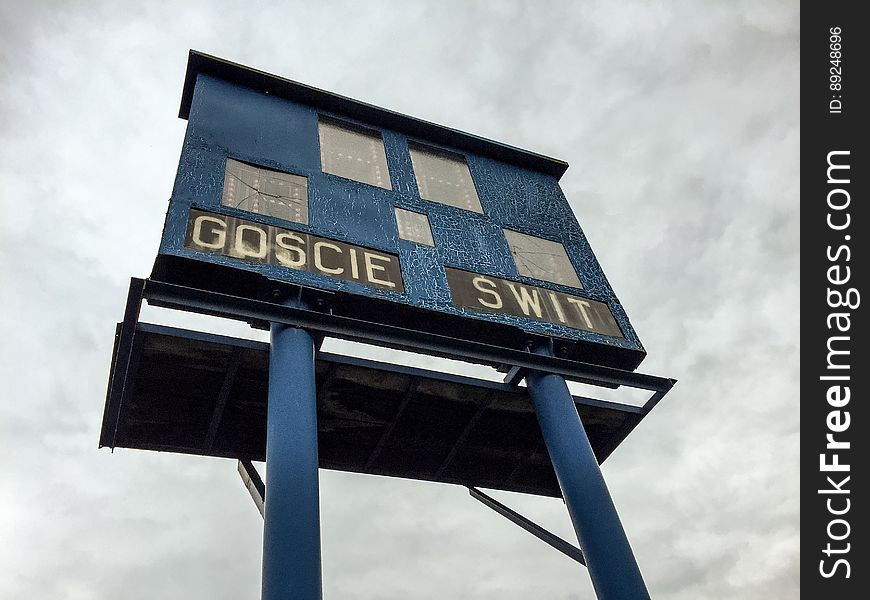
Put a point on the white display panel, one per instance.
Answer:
(445, 178)
(265, 192)
(542, 259)
(353, 154)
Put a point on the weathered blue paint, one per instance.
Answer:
(291, 528)
(229, 120)
(612, 566)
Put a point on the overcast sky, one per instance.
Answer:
(680, 123)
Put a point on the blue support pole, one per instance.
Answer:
(611, 563)
(291, 530)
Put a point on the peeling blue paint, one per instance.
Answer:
(228, 120)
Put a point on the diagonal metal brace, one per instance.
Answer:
(536, 530)
(255, 486)
(253, 483)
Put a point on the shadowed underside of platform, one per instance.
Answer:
(195, 393)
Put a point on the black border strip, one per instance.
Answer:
(834, 231)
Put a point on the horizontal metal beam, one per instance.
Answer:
(235, 307)
(536, 530)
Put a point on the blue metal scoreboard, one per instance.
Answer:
(315, 215)
(394, 219)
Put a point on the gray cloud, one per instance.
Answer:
(680, 122)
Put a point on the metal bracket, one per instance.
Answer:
(515, 375)
(536, 530)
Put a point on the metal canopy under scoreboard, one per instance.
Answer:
(195, 393)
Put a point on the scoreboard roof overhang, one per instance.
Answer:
(200, 63)
(196, 393)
